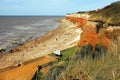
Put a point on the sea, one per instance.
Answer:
(15, 30)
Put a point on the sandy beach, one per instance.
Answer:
(65, 34)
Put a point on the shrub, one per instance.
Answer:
(37, 75)
(54, 72)
(99, 51)
(84, 51)
(89, 51)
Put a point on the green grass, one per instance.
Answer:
(68, 52)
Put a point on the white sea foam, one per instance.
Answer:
(23, 27)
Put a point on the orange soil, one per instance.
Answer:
(89, 35)
(93, 39)
(77, 20)
(24, 72)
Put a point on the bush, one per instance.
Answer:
(54, 72)
(88, 51)
(99, 51)
(37, 75)
(85, 51)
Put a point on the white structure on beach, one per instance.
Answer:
(57, 52)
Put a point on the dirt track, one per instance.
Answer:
(24, 72)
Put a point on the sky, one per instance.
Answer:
(49, 7)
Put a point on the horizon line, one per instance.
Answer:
(32, 15)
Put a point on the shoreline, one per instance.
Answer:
(7, 44)
(41, 46)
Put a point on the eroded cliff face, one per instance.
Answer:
(76, 20)
(89, 34)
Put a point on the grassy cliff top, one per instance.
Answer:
(109, 14)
